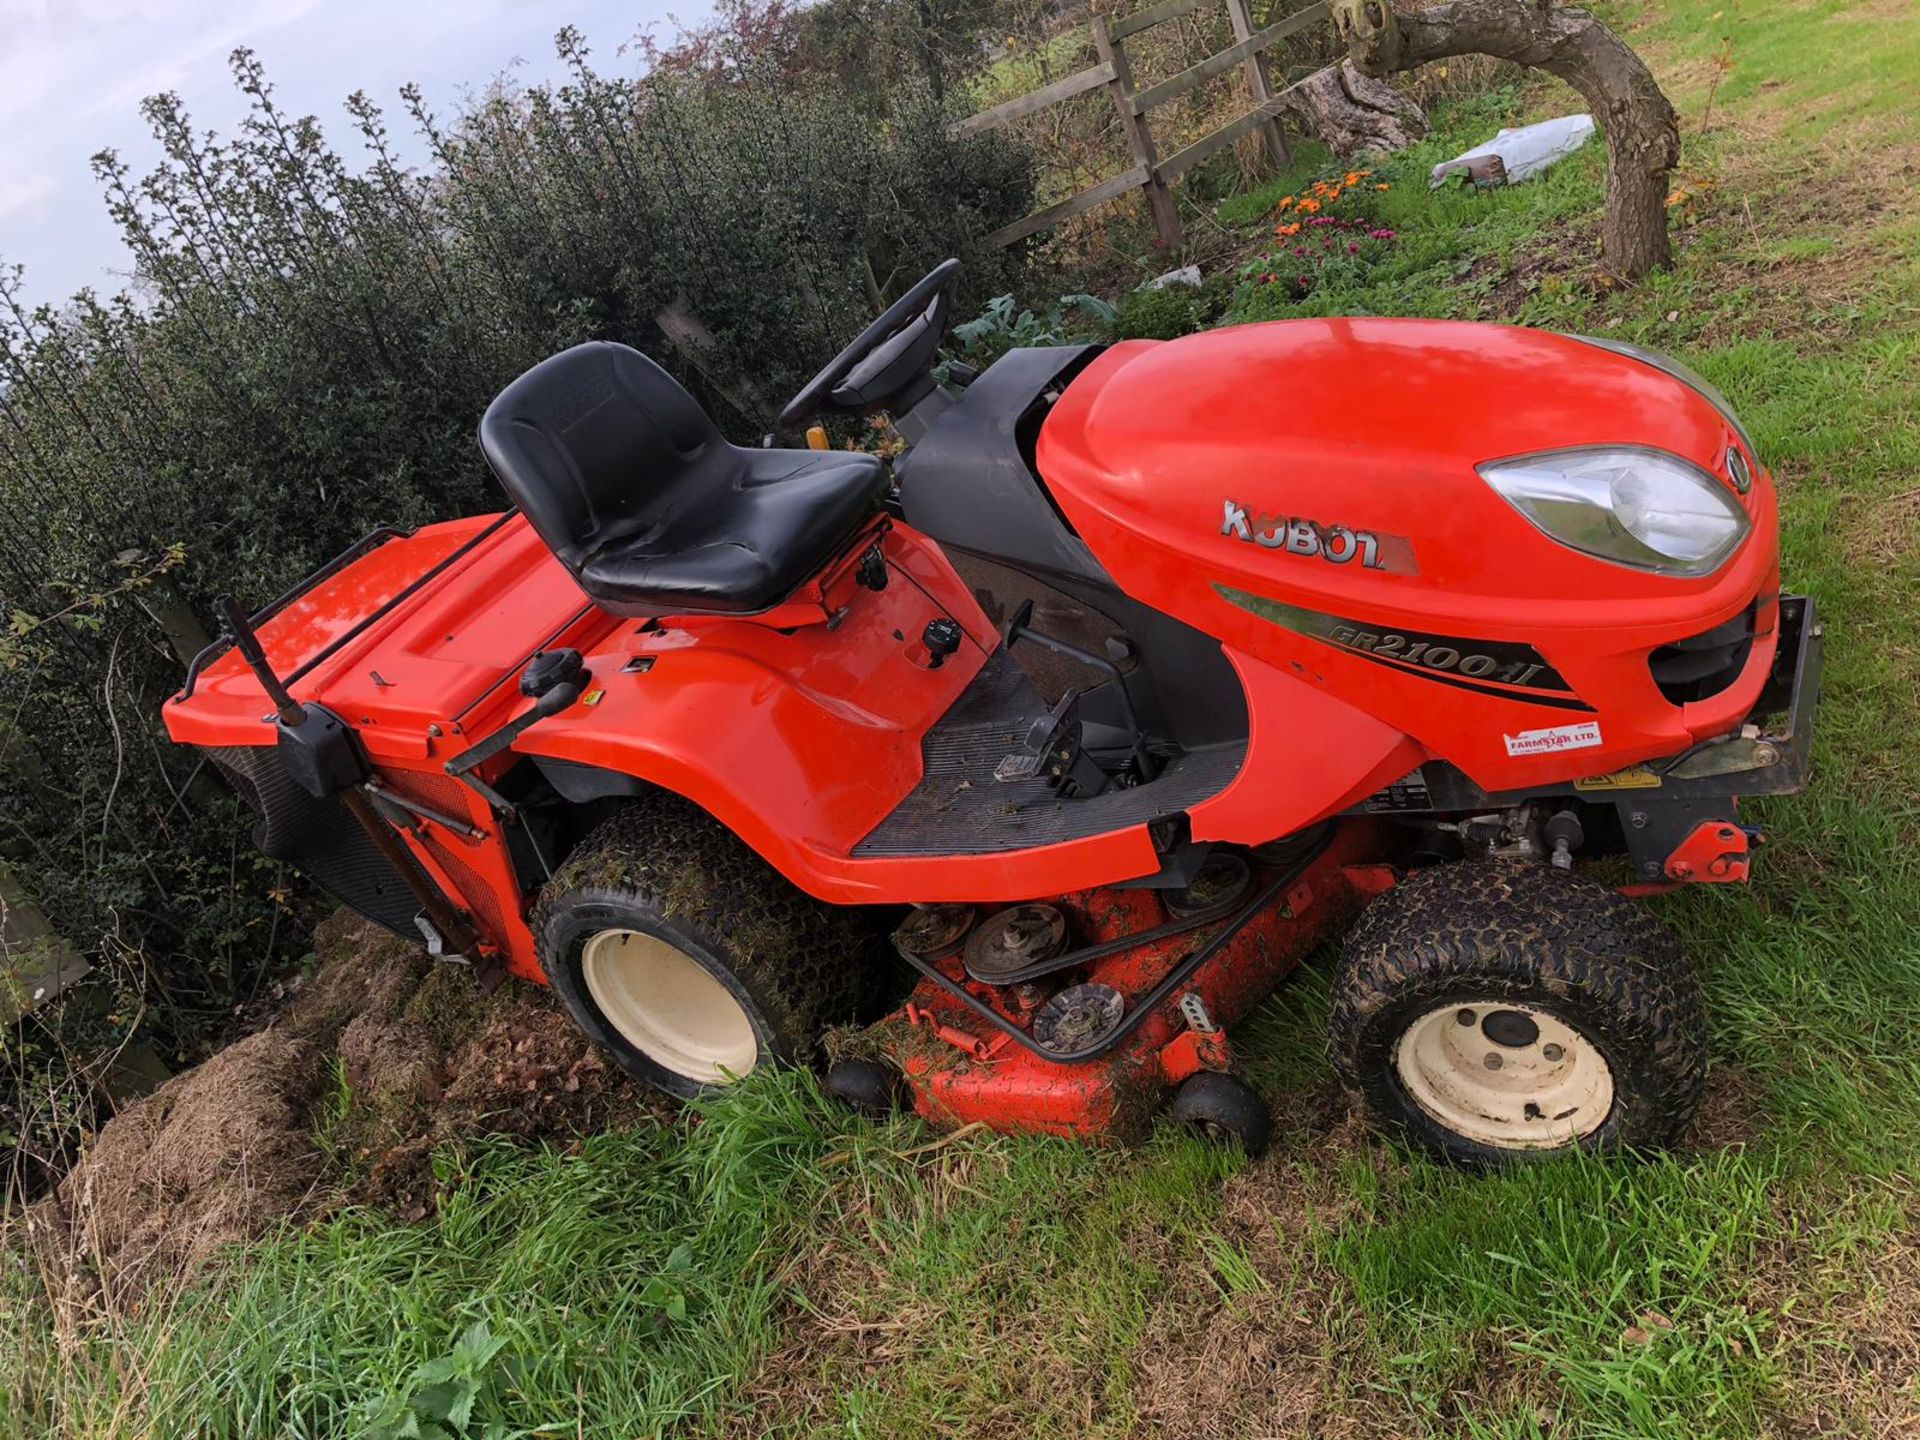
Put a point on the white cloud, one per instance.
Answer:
(71, 60)
(26, 196)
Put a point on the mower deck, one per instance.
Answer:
(968, 1048)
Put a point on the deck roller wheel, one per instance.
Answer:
(1223, 1109)
(865, 1085)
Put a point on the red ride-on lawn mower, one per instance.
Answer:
(1146, 670)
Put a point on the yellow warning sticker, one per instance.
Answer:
(1634, 777)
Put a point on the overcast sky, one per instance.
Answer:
(73, 73)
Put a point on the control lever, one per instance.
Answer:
(240, 630)
(1020, 628)
(555, 679)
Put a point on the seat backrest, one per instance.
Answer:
(591, 442)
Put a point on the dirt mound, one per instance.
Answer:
(446, 1066)
(191, 1168)
(379, 1058)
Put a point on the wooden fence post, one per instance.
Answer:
(1149, 171)
(1166, 219)
(691, 337)
(1259, 85)
(36, 962)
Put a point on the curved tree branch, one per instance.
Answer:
(1643, 137)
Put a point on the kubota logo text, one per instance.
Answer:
(1336, 544)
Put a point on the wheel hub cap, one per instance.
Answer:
(669, 1007)
(1510, 1076)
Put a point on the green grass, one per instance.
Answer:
(568, 1257)
(1030, 66)
(848, 1278)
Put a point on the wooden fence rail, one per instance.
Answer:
(1149, 172)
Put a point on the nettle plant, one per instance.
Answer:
(1324, 235)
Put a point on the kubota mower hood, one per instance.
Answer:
(1375, 425)
(1326, 477)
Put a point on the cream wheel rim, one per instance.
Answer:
(1505, 1075)
(669, 1006)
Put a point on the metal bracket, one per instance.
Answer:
(1194, 1009)
(436, 942)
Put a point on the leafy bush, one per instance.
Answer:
(1002, 327)
(1169, 312)
(306, 357)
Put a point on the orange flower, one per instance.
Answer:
(1286, 202)
(1353, 178)
(1309, 207)
(1383, 187)
(1292, 229)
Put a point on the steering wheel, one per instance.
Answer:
(889, 362)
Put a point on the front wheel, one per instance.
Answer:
(1490, 1013)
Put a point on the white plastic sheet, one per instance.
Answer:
(1523, 153)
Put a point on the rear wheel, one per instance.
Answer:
(1491, 1013)
(688, 957)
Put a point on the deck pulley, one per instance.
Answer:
(1078, 1017)
(1011, 940)
(933, 932)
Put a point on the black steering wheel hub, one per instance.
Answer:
(889, 365)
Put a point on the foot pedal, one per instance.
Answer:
(1020, 765)
(1053, 752)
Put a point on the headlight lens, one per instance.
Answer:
(1687, 376)
(1643, 508)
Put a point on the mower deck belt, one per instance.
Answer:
(1153, 999)
(1070, 958)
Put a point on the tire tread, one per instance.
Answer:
(1519, 932)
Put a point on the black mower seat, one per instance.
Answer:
(645, 502)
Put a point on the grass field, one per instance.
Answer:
(772, 1266)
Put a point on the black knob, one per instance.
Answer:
(550, 668)
(942, 637)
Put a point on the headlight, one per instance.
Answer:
(1687, 376)
(1643, 508)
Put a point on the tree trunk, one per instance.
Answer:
(1350, 112)
(1643, 138)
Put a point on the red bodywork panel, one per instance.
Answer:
(798, 734)
(800, 729)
